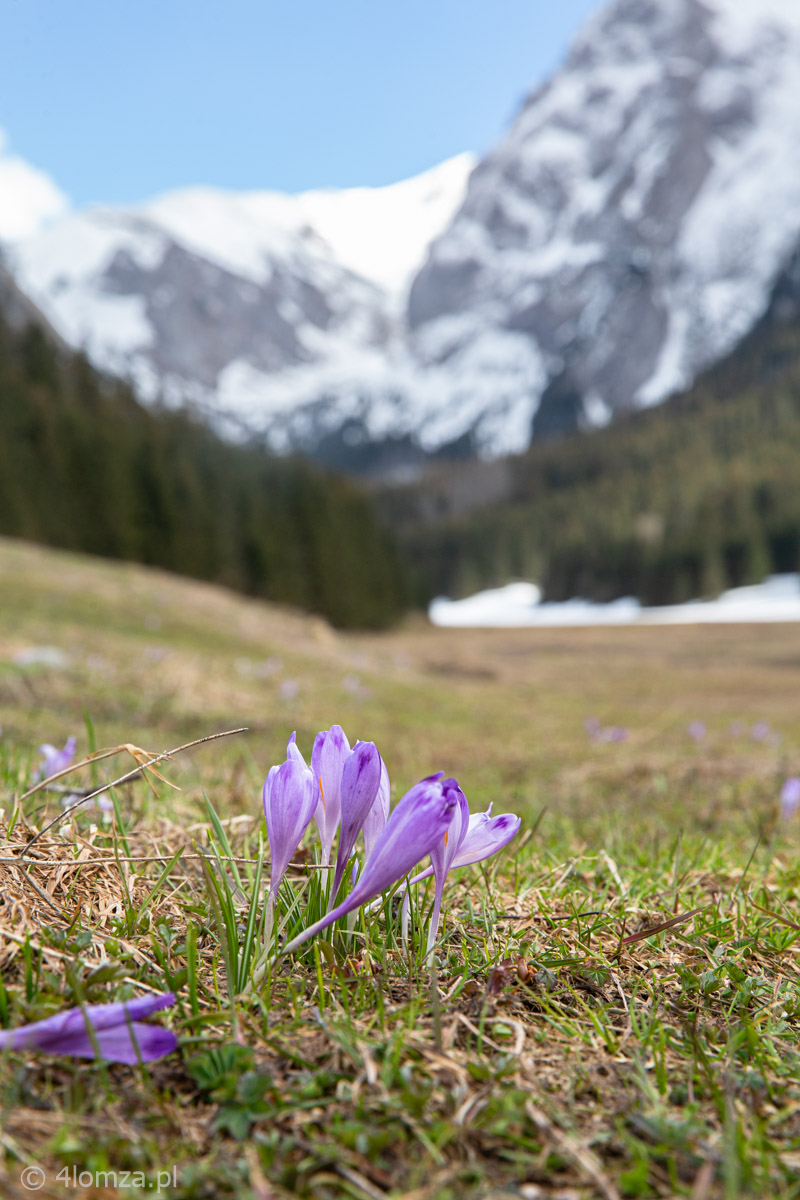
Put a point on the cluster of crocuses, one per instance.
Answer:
(346, 790)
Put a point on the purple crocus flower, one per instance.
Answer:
(443, 855)
(117, 1031)
(331, 749)
(102, 801)
(760, 731)
(412, 831)
(361, 777)
(790, 797)
(485, 836)
(697, 730)
(290, 798)
(377, 816)
(54, 760)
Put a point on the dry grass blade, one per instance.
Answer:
(211, 737)
(652, 930)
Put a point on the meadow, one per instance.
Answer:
(613, 1007)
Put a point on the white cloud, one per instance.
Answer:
(28, 197)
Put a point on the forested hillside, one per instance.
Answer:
(700, 494)
(85, 467)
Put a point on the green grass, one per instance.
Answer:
(614, 1009)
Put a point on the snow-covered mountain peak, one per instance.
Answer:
(380, 233)
(626, 232)
(631, 224)
(383, 233)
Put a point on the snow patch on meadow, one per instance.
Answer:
(520, 604)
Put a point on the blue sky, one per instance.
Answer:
(118, 101)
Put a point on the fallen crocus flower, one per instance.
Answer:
(54, 760)
(290, 798)
(415, 827)
(117, 1033)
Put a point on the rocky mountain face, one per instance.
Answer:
(626, 233)
(630, 228)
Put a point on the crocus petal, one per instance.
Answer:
(62, 1029)
(485, 836)
(377, 816)
(55, 760)
(120, 1044)
(290, 797)
(292, 752)
(331, 749)
(413, 829)
(361, 779)
(443, 856)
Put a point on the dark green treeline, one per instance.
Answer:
(685, 500)
(85, 467)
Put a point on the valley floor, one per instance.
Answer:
(616, 1005)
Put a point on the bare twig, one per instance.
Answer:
(211, 737)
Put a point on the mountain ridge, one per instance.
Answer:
(625, 234)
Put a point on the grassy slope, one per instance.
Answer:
(649, 1068)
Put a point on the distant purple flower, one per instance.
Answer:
(697, 731)
(54, 760)
(289, 689)
(116, 1028)
(354, 685)
(611, 733)
(790, 797)
(760, 731)
(361, 778)
(415, 827)
(102, 801)
(290, 797)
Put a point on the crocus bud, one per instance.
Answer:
(290, 798)
(361, 778)
(377, 816)
(328, 757)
